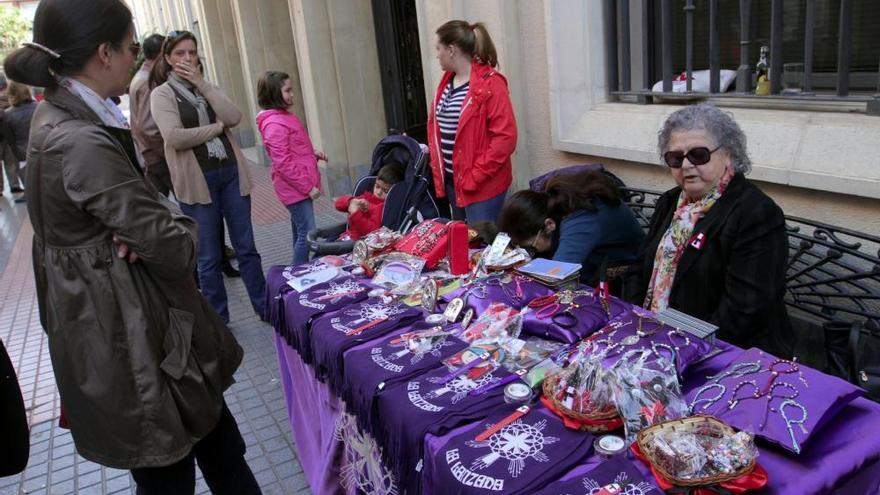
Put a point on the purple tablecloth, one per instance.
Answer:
(846, 459)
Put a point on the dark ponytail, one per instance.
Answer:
(524, 212)
(161, 68)
(66, 35)
(472, 39)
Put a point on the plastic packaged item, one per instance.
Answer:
(646, 391)
(398, 270)
(499, 322)
(539, 372)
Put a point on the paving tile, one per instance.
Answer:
(118, 483)
(63, 488)
(89, 479)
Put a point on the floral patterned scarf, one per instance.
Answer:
(687, 213)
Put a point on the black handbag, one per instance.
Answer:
(13, 420)
(853, 353)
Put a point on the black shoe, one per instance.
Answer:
(16, 189)
(230, 271)
(228, 253)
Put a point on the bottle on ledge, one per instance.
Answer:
(762, 73)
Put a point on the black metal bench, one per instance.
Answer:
(833, 274)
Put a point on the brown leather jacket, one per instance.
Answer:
(140, 359)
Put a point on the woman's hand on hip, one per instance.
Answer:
(315, 193)
(320, 155)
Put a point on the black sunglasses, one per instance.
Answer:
(697, 156)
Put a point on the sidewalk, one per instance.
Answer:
(256, 399)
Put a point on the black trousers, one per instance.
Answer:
(220, 456)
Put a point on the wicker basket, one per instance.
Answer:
(549, 387)
(646, 436)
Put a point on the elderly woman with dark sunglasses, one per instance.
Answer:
(717, 247)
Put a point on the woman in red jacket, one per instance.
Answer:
(471, 126)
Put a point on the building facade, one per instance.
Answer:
(817, 160)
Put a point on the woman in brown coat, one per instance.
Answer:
(140, 359)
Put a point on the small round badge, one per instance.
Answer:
(435, 319)
(609, 445)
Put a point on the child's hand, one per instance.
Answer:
(353, 206)
(364, 205)
(320, 155)
(315, 193)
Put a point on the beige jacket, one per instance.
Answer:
(143, 128)
(186, 175)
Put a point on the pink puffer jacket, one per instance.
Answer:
(294, 167)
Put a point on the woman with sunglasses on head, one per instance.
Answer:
(209, 172)
(717, 247)
(577, 218)
(140, 359)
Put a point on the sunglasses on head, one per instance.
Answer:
(697, 156)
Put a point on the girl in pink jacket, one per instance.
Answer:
(295, 172)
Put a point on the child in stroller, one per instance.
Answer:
(407, 203)
(365, 210)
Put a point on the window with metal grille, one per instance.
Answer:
(835, 42)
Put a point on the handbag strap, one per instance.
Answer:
(855, 332)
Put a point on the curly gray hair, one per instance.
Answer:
(718, 124)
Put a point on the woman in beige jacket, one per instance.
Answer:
(209, 172)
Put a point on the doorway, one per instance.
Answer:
(400, 65)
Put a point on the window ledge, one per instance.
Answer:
(824, 151)
(827, 151)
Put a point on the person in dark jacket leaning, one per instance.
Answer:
(141, 360)
(716, 248)
(577, 218)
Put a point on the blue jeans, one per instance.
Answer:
(456, 212)
(227, 203)
(485, 210)
(302, 220)
(489, 209)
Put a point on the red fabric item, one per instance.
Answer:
(361, 223)
(459, 264)
(577, 424)
(754, 480)
(62, 419)
(485, 139)
(428, 240)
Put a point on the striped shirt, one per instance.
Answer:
(448, 112)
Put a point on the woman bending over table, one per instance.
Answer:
(577, 218)
(717, 247)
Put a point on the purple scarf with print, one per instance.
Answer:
(334, 333)
(519, 458)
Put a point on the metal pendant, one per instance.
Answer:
(453, 309)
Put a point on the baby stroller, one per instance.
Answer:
(408, 202)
